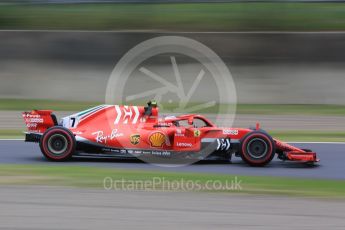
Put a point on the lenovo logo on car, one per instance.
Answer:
(182, 144)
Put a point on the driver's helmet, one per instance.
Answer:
(152, 104)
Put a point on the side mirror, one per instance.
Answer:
(190, 121)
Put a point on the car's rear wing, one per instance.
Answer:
(38, 121)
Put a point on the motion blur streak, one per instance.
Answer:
(300, 68)
(39, 207)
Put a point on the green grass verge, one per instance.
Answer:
(291, 109)
(312, 136)
(81, 176)
(188, 17)
(269, 109)
(11, 134)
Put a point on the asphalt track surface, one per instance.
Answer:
(64, 208)
(331, 166)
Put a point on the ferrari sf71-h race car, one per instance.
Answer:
(138, 132)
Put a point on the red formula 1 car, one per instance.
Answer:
(138, 132)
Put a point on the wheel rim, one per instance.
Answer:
(57, 144)
(257, 148)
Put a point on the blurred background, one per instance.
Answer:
(286, 57)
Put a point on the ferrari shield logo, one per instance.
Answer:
(197, 133)
(135, 139)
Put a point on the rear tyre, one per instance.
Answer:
(257, 148)
(58, 144)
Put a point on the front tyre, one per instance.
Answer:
(58, 144)
(257, 148)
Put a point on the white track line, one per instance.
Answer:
(11, 139)
(316, 142)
